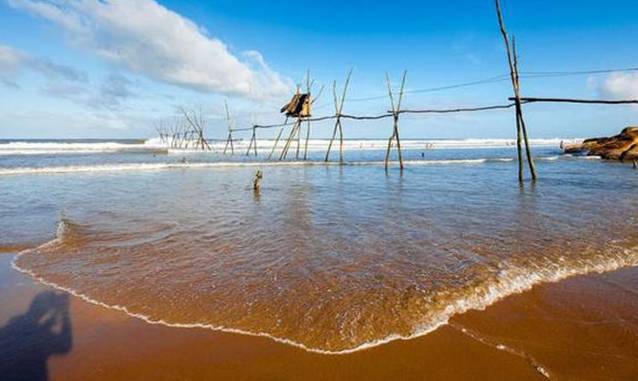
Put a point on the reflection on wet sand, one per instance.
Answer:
(28, 340)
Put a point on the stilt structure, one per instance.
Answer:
(229, 141)
(521, 129)
(299, 107)
(338, 110)
(396, 111)
(309, 84)
(274, 146)
(253, 142)
(197, 124)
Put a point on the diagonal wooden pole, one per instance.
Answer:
(308, 91)
(517, 97)
(338, 112)
(229, 141)
(528, 150)
(396, 111)
(293, 130)
(334, 132)
(274, 146)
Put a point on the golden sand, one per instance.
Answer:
(583, 328)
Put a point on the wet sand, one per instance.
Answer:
(583, 328)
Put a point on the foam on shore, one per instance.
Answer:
(511, 280)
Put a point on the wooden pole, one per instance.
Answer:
(528, 150)
(253, 143)
(277, 139)
(396, 111)
(284, 151)
(343, 100)
(517, 97)
(230, 130)
(250, 144)
(338, 110)
(334, 132)
(228, 141)
(255, 139)
(308, 91)
(396, 120)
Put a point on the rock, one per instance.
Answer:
(623, 146)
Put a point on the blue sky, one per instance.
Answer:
(89, 68)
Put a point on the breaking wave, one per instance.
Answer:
(156, 145)
(132, 167)
(511, 278)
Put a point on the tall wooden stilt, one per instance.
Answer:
(308, 91)
(528, 151)
(293, 131)
(338, 110)
(253, 142)
(274, 146)
(396, 111)
(521, 130)
(229, 141)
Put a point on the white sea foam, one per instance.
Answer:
(154, 144)
(374, 144)
(510, 281)
(62, 148)
(166, 166)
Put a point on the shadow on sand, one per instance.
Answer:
(27, 341)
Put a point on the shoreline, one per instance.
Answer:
(470, 331)
(516, 287)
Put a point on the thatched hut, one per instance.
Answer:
(299, 106)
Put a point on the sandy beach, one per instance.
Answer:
(583, 328)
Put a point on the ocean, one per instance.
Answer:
(329, 257)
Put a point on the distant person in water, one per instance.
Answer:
(257, 181)
(183, 161)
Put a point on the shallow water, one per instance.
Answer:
(332, 258)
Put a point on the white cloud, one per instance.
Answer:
(13, 62)
(620, 86)
(147, 38)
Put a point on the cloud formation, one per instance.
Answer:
(620, 86)
(147, 38)
(14, 62)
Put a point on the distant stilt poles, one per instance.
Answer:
(229, 141)
(309, 84)
(521, 129)
(274, 146)
(396, 111)
(293, 133)
(253, 142)
(308, 91)
(338, 110)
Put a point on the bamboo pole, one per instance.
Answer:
(253, 143)
(255, 139)
(338, 113)
(298, 136)
(308, 91)
(512, 61)
(229, 141)
(277, 139)
(528, 150)
(334, 132)
(293, 130)
(396, 111)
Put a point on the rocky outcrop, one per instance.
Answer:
(623, 146)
